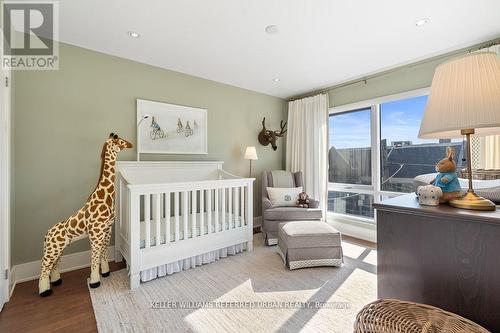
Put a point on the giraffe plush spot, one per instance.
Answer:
(100, 194)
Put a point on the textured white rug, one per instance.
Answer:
(248, 292)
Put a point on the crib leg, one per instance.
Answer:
(135, 281)
(250, 245)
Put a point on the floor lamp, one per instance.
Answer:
(251, 154)
(465, 100)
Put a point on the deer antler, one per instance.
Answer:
(264, 124)
(283, 129)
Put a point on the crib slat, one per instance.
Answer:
(209, 210)
(176, 215)
(147, 218)
(216, 207)
(129, 217)
(202, 212)
(230, 208)
(157, 212)
(236, 206)
(193, 212)
(242, 216)
(223, 209)
(166, 204)
(185, 210)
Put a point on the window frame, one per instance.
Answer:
(375, 133)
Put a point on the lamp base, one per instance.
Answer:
(474, 202)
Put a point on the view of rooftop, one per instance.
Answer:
(403, 155)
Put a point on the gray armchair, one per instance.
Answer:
(273, 216)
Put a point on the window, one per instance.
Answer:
(350, 156)
(375, 152)
(350, 147)
(403, 156)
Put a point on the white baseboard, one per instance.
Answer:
(31, 270)
(257, 221)
(12, 280)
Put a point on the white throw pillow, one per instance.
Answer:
(281, 197)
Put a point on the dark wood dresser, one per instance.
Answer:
(442, 256)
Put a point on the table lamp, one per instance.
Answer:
(250, 154)
(465, 100)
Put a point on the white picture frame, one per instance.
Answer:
(158, 130)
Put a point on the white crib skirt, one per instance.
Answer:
(182, 265)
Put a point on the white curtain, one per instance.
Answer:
(489, 146)
(307, 144)
(489, 152)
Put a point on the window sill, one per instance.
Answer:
(353, 226)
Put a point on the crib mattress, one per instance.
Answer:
(230, 221)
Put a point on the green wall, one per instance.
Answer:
(402, 80)
(61, 119)
(405, 78)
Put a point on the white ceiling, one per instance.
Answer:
(319, 43)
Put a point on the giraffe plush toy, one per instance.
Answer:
(94, 220)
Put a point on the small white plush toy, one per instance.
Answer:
(429, 195)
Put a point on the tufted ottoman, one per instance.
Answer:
(309, 244)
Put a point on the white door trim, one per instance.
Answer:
(5, 160)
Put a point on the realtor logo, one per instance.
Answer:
(29, 31)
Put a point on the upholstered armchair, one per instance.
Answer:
(273, 216)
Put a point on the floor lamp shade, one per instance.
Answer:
(250, 153)
(465, 94)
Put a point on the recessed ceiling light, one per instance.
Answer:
(271, 29)
(422, 22)
(133, 34)
(276, 79)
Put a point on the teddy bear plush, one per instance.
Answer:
(447, 178)
(303, 201)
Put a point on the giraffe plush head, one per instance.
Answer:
(118, 143)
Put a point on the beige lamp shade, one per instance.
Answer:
(465, 94)
(250, 154)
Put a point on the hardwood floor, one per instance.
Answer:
(69, 309)
(358, 241)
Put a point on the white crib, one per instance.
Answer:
(170, 211)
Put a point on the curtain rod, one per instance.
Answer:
(469, 49)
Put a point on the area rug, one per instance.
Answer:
(248, 292)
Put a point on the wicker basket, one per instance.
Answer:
(394, 316)
(481, 174)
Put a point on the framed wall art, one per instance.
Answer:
(164, 128)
